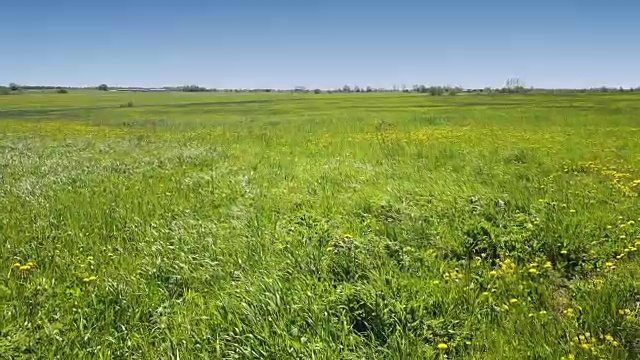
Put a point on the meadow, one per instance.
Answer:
(329, 226)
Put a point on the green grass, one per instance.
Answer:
(319, 226)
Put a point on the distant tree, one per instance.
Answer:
(436, 90)
(62, 91)
(4, 90)
(346, 89)
(356, 88)
(420, 88)
(103, 87)
(514, 85)
(317, 91)
(453, 91)
(14, 87)
(192, 88)
(369, 89)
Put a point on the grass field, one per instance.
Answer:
(344, 226)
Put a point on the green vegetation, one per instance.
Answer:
(327, 226)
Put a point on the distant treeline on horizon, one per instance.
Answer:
(433, 90)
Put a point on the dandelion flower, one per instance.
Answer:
(548, 265)
(442, 346)
(17, 265)
(533, 271)
(493, 273)
(25, 268)
(542, 312)
(609, 264)
(89, 279)
(513, 301)
(563, 252)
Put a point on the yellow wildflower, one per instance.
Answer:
(25, 268)
(89, 279)
(533, 271)
(513, 300)
(17, 265)
(563, 252)
(442, 346)
(609, 264)
(608, 337)
(575, 340)
(493, 273)
(548, 265)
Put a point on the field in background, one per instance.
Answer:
(177, 225)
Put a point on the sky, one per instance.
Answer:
(320, 44)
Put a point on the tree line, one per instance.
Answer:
(512, 86)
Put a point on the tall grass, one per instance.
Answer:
(319, 226)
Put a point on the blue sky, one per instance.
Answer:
(325, 44)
